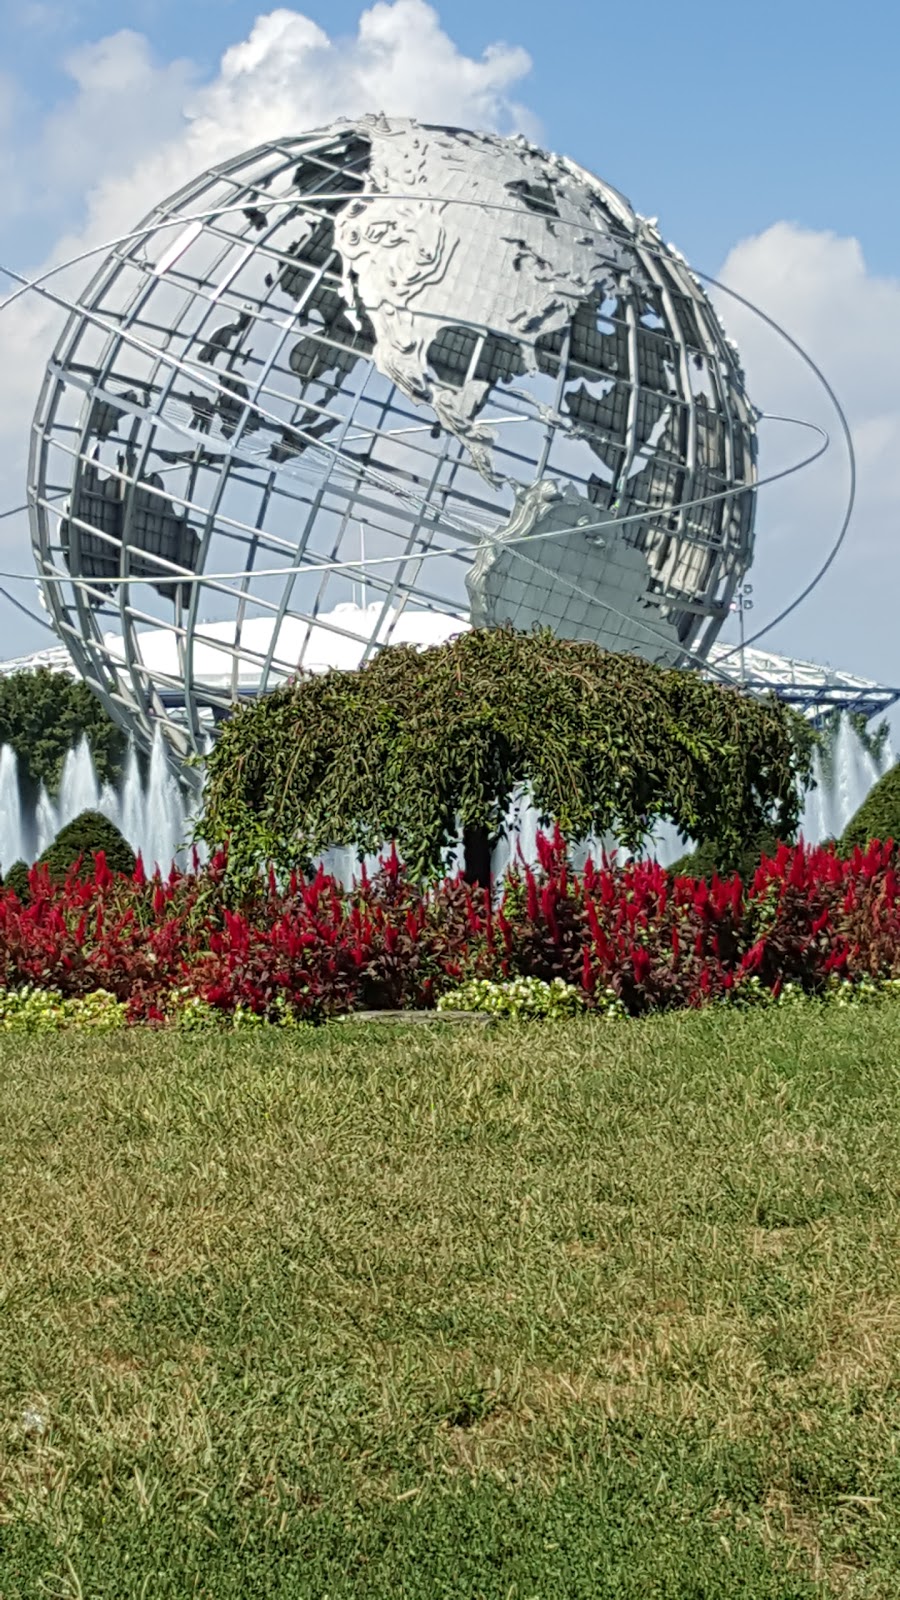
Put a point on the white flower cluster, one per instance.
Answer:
(189, 1011)
(34, 1010)
(524, 998)
(841, 992)
(838, 991)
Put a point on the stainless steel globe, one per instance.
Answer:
(368, 384)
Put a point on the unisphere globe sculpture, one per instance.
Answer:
(364, 384)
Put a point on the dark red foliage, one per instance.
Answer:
(654, 940)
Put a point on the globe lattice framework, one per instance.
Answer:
(364, 383)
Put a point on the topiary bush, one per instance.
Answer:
(17, 880)
(84, 837)
(707, 858)
(879, 815)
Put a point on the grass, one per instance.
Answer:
(584, 1310)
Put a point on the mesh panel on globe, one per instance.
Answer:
(367, 385)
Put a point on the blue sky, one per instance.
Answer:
(720, 118)
(765, 139)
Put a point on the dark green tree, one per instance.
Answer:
(43, 715)
(415, 740)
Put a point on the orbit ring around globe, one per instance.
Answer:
(36, 285)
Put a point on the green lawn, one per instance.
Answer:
(584, 1310)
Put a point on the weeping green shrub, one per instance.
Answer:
(416, 742)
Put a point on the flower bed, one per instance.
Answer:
(626, 939)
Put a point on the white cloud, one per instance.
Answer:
(288, 75)
(124, 101)
(41, 17)
(133, 130)
(121, 102)
(817, 285)
(13, 106)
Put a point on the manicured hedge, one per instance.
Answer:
(81, 839)
(879, 815)
(707, 859)
(16, 879)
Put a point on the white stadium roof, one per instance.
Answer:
(337, 640)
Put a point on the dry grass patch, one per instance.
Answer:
(644, 1277)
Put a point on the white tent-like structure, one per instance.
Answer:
(344, 636)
